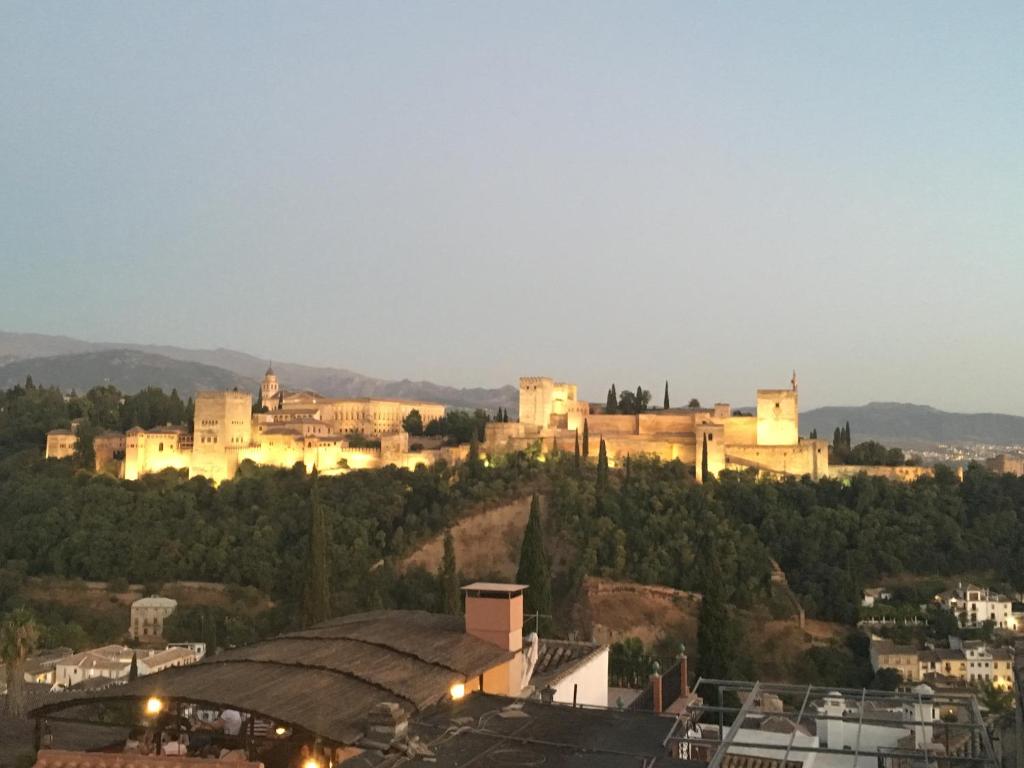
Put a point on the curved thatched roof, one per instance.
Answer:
(325, 679)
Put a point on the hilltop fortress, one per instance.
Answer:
(335, 435)
(330, 435)
(768, 441)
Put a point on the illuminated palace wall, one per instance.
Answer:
(297, 427)
(769, 441)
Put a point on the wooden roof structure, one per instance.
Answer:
(324, 679)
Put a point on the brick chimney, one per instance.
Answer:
(494, 613)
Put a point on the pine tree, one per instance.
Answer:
(612, 405)
(666, 395)
(704, 474)
(534, 569)
(316, 598)
(602, 468)
(450, 598)
(586, 440)
(133, 670)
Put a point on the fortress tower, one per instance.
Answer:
(778, 416)
(222, 427)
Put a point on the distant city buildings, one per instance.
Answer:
(973, 662)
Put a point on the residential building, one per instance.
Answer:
(147, 617)
(974, 605)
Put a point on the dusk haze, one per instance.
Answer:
(474, 384)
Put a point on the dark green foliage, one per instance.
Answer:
(413, 423)
(133, 670)
(629, 664)
(612, 403)
(586, 439)
(634, 402)
(717, 631)
(694, 403)
(666, 405)
(704, 474)
(459, 426)
(449, 576)
(534, 568)
(316, 597)
(602, 469)
(576, 456)
(886, 679)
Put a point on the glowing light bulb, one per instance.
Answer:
(457, 691)
(154, 706)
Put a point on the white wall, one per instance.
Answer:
(591, 679)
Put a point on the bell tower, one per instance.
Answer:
(269, 387)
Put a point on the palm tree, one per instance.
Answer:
(18, 637)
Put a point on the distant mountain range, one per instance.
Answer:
(908, 425)
(75, 364)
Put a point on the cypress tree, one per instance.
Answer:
(612, 405)
(473, 460)
(640, 407)
(133, 670)
(666, 395)
(602, 469)
(450, 598)
(837, 439)
(316, 599)
(280, 400)
(576, 459)
(586, 440)
(704, 474)
(848, 443)
(717, 634)
(533, 566)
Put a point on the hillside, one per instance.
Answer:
(128, 370)
(902, 423)
(334, 382)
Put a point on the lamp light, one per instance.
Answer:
(154, 706)
(457, 691)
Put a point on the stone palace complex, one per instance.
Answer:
(768, 441)
(328, 434)
(334, 435)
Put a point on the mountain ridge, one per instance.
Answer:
(20, 354)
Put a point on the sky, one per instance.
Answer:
(712, 194)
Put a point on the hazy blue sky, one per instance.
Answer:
(713, 193)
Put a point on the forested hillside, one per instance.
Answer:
(648, 521)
